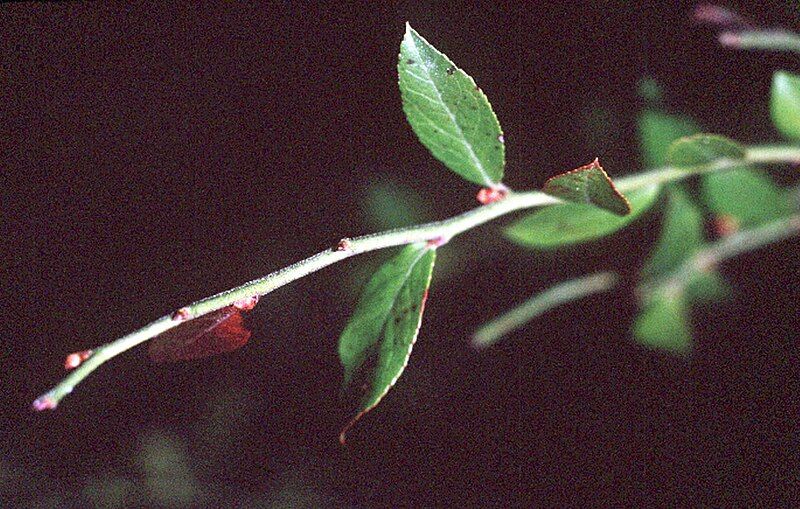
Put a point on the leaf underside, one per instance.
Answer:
(212, 334)
(703, 149)
(450, 115)
(663, 324)
(386, 322)
(588, 185)
(681, 236)
(572, 223)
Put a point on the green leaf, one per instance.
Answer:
(703, 149)
(572, 223)
(588, 185)
(747, 195)
(386, 322)
(706, 286)
(663, 324)
(449, 113)
(658, 130)
(390, 205)
(681, 236)
(785, 104)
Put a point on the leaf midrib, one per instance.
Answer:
(473, 156)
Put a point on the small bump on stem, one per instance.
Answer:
(492, 194)
(246, 304)
(44, 403)
(344, 245)
(75, 359)
(181, 314)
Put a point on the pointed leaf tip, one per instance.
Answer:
(785, 104)
(572, 223)
(386, 322)
(449, 113)
(589, 185)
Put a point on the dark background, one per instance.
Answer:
(153, 155)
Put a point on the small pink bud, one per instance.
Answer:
(44, 403)
(720, 16)
(730, 39)
(181, 314)
(344, 245)
(246, 304)
(725, 225)
(438, 242)
(74, 360)
(489, 195)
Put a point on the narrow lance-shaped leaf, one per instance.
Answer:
(664, 324)
(386, 322)
(572, 223)
(785, 104)
(588, 185)
(681, 236)
(449, 113)
(672, 279)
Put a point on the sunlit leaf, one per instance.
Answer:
(663, 324)
(785, 104)
(681, 236)
(449, 113)
(572, 223)
(657, 131)
(703, 149)
(747, 195)
(589, 185)
(386, 321)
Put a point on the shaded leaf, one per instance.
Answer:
(706, 286)
(588, 185)
(572, 223)
(386, 321)
(657, 131)
(449, 113)
(390, 205)
(703, 149)
(785, 104)
(746, 194)
(211, 334)
(663, 324)
(681, 236)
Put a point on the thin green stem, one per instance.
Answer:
(771, 40)
(724, 249)
(439, 231)
(561, 293)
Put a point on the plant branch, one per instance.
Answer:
(733, 245)
(439, 231)
(774, 40)
(556, 295)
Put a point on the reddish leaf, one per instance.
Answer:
(215, 333)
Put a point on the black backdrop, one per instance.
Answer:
(153, 155)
